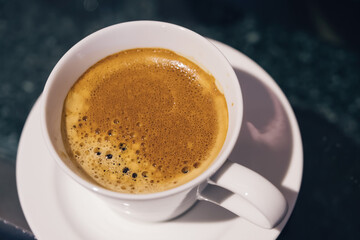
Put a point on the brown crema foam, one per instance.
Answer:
(144, 120)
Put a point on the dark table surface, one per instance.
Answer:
(310, 48)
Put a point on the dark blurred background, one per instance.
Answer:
(310, 48)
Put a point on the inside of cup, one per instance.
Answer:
(130, 35)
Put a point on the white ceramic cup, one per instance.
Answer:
(252, 197)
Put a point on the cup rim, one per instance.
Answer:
(205, 175)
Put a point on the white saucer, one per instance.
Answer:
(58, 208)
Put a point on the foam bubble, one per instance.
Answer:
(185, 169)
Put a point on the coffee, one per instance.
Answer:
(144, 120)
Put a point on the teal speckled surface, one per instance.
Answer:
(318, 70)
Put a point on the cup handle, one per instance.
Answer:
(254, 198)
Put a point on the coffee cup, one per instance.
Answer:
(253, 197)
